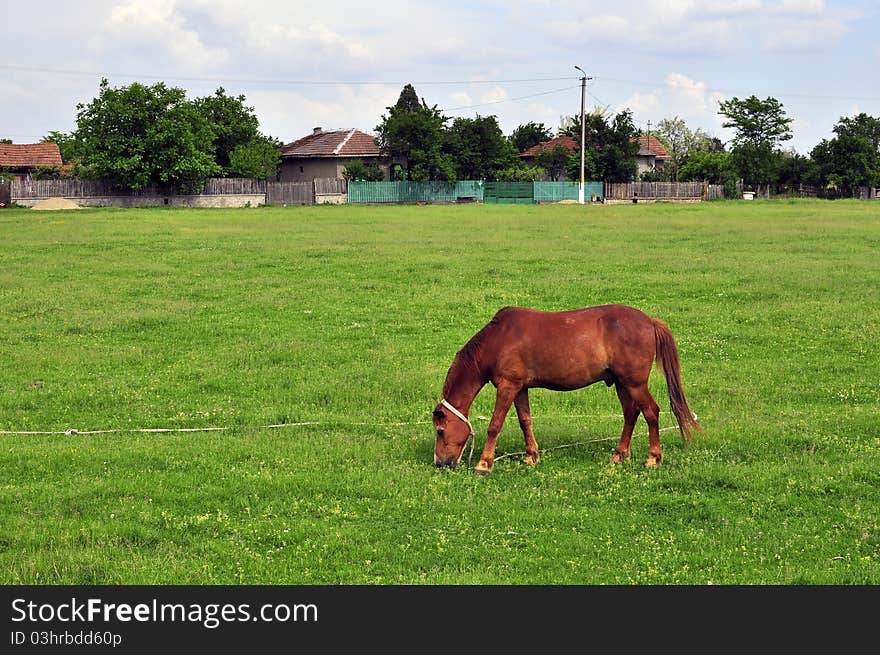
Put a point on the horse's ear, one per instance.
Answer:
(439, 415)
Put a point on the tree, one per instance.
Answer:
(137, 136)
(795, 169)
(707, 166)
(412, 133)
(358, 170)
(852, 158)
(611, 147)
(761, 125)
(557, 161)
(234, 125)
(67, 144)
(679, 140)
(478, 148)
(520, 173)
(259, 158)
(529, 135)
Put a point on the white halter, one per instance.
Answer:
(464, 418)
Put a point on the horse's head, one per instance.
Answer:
(453, 431)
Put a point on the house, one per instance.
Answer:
(325, 154)
(21, 159)
(652, 155)
(528, 156)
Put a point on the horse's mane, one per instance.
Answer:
(467, 359)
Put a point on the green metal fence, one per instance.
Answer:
(409, 192)
(558, 191)
(509, 192)
(470, 191)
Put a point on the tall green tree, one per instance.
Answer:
(529, 135)
(558, 161)
(412, 135)
(852, 158)
(478, 148)
(679, 141)
(258, 158)
(760, 127)
(235, 125)
(611, 146)
(138, 135)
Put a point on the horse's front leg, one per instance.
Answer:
(521, 401)
(503, 400)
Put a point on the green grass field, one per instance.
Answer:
(347, 319)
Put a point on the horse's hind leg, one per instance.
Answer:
(521, 401)
(651, 411)
(630, 416)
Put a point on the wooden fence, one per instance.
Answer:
(275, 193)
(805, 191)
(74, 188)
(638, 191)
(290, 193)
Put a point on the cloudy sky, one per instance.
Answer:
(340, 63)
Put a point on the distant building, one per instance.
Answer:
(21, 159)
(325, 154)
(528, 156)
(652, 155)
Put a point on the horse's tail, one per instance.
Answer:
(667, 358)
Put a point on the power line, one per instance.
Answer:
(667, 86)
(496, 102)
(254, 80)
(294, 82)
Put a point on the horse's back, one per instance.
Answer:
(573, 348)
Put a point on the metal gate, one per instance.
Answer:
(509, 192)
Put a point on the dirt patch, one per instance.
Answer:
(56, 203)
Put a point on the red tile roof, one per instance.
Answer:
(653, 145)
(335, 143)
(28, 155)
(564, 141)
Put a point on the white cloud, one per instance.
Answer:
(808, 7)
(157, 24)
(701, 28)
(643, 104)
(494, 94)
(461, 99)
(290, 115)
(801, 35)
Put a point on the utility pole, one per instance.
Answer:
(583, 131)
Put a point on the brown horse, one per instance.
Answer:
(523, 348)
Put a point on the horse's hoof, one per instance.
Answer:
(531, 460)
(617, 457)
(652, 462)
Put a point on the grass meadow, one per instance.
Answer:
(339, 323)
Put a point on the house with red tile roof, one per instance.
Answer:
(527, 157)
(326, 153)
(21, 159)
(652, 155)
